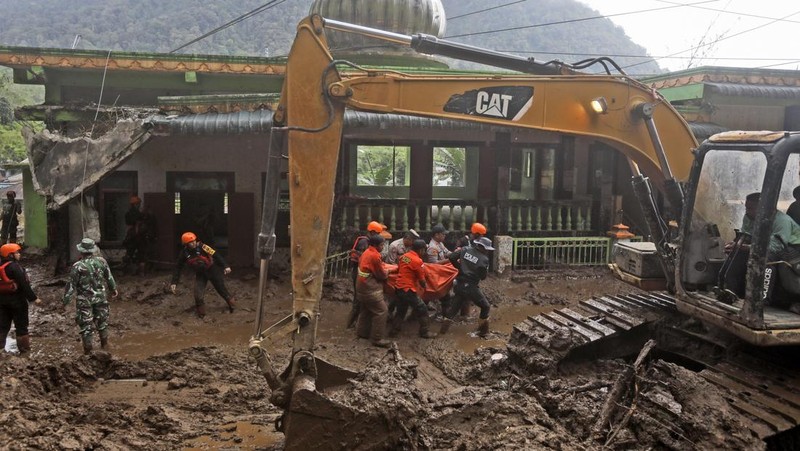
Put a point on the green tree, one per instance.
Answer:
(382, 165)
(12, 145)
(449, 166)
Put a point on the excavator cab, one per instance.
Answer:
(744, 281)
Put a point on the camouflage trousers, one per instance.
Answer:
(91, 316)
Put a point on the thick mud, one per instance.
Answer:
(174, 381)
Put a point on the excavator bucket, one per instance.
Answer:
(330, 376)
(315, 421)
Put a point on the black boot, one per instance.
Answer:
(24, 343)
(104, 339)
(446, 322)
(483, 328)
(397, 323)
(425, 326)
(231, 304)
(87, 344)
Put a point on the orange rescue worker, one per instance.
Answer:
(359, 246)
(15, 294)
(208, 265)
(410, 276)
(369, 292)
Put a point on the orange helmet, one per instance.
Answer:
(188, 237)
(376, 227)
(8, 249)
(478, 229)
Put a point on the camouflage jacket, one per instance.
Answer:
(89, 280)
(11, 211)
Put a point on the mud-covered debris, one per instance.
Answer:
(176, 383)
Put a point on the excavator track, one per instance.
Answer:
(771, 401)
(755, 383)
(540, 343)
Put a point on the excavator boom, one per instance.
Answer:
(316, 91)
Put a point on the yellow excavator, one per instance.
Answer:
(612, 108)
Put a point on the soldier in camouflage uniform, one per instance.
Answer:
(89, 280)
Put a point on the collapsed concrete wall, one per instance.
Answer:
(63, 167)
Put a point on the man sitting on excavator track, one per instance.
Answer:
(784, 239)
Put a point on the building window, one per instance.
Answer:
(449, 166)
(382, 165)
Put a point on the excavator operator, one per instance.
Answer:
(785, 237)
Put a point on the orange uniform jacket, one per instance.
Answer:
(410, 272)
(370, 269)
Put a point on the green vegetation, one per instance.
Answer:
(375, 165)
(449, 166)
(12, 146)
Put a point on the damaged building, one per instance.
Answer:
(189, 135)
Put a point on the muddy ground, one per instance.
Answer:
(174, 381)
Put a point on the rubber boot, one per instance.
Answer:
(425, 326)
(104, 339)
(397, 324)
(24, 343)
(446, 322)
(87, 344)
(201, 311)
(483, 328)
(231, 304)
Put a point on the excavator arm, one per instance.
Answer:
(316, 91)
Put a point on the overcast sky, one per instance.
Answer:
(669, 31)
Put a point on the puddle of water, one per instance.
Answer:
(139, 346)
(239, 435)
(501, 321)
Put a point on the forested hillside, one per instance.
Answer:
(569, 42)
(159, 26)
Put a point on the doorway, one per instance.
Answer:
(201, 204)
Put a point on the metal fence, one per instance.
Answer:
(528, 253)
(543, 253)
(337, 265)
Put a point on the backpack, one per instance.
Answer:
(199, 262)
(7, 286)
